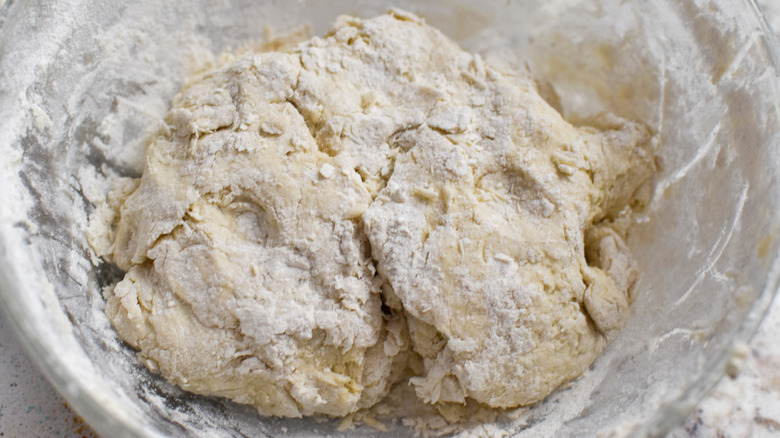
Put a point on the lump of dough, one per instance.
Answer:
(311, 218)
(249, 274)
(480, 233)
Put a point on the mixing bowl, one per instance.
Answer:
(84, 82)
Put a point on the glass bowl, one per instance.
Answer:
(82, 83)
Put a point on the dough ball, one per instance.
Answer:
(480, 233)
(249, 273)
(311, 218)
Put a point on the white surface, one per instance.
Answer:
(29, 406)
(747, 406)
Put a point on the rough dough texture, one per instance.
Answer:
(312, 218)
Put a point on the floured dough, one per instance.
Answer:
(311, 219)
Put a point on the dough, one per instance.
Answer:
(310, 219)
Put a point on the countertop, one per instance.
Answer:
(745, 406)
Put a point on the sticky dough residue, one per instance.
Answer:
(315, 221)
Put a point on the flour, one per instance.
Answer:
(312, 220)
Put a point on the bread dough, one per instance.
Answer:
(482, 240)
(311, 218)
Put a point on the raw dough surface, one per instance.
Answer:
(310, 221)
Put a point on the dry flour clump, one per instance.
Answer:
(315, 221)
